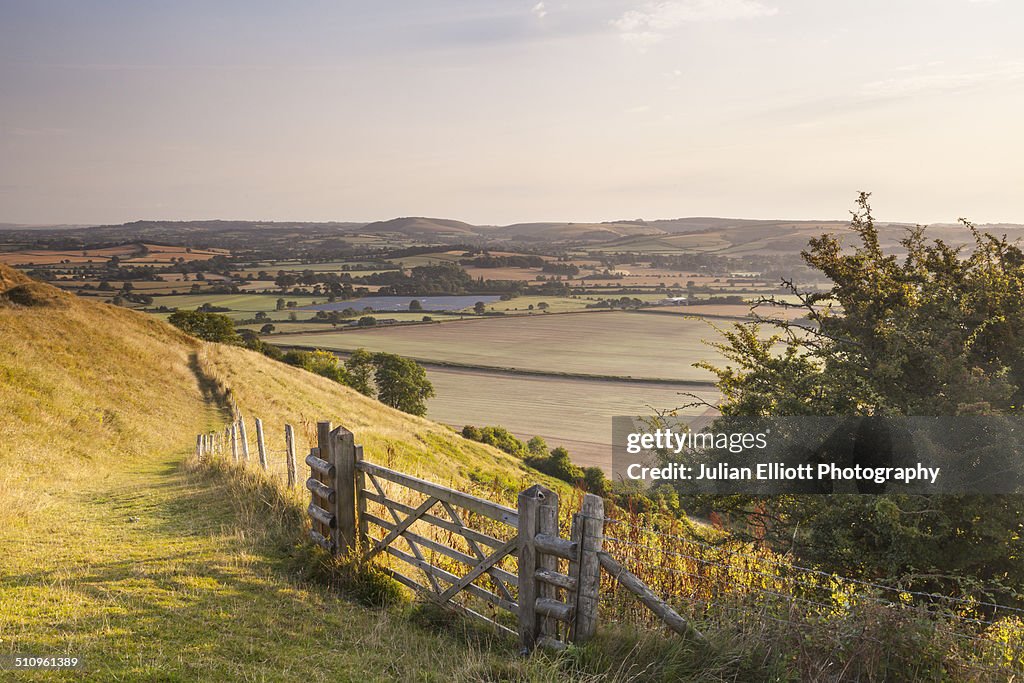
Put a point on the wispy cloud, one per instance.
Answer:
(944, 82)
(539, 10)
(650, 23)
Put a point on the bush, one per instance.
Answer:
(213, 327)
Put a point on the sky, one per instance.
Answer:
(495, 112)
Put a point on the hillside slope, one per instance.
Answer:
(116, 552)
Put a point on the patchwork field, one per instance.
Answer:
(613, 344)
(128, 253)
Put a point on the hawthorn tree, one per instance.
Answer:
(937, 330)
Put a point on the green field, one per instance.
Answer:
(607, 344)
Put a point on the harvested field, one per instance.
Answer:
(613, 344)
(575, 413)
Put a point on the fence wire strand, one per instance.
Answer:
(808, 570)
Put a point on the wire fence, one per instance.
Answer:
(762, 596)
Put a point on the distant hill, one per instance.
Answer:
(724, 235)
(70, 358)
(571, 232)
(416, 226)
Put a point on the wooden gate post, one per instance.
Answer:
(289, 442)
(343, 457)
(547, 523)
(530, 515)
(260, 446)
(234, 441)
(588, 531)
(323, 451)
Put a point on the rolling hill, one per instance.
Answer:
(420, 227)
(116, 550)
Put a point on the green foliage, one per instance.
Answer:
(213, 327)
(558, 465)
(934, 332)
(402, 383)
(595, 481)
(323, 363)
(501, 438)
(537, 446)
(360, 372)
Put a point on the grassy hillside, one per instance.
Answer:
(114, 550)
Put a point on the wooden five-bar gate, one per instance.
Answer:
(508, 567)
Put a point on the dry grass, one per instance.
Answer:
(113, 552)
(279, 394)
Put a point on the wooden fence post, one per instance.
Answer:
(529, 503)
(244, 438)
(199, 447)
(343, 457)
(289, 443)
(588, 524)
(260, 446)
(234, 441)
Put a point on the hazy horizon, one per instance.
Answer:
(507, 112)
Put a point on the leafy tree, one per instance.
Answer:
(213, 327)
(367, 321)
(557, 464)
(415, 305)
(537, 446)
(479, 308)
(595, 481)
(934, 332)
(402, 383)
(267, 329)
(360, 366)
(323, 363)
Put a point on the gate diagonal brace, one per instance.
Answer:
(402, 526)
(475, 547)
(481, 568)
